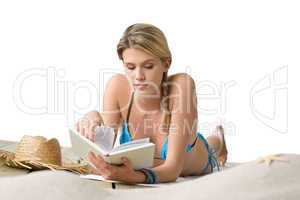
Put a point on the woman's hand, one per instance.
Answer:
(87, 124)
(124, 173)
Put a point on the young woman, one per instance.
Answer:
(146, 102)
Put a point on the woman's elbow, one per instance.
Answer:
(169, 179)
(170, 176)
(173, 179)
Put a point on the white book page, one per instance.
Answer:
(131, 144)
(104, 138)
(101, 178)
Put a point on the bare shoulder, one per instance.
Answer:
(117, 83)
(180, 81)
(117, 89)
(181, 89)
(180, 75)
(118, 79)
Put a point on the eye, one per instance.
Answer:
(130, 67)
(149, 66)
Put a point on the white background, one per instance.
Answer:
(56, 56)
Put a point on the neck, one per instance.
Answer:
(148, 102)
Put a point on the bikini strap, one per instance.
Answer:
(129, 109)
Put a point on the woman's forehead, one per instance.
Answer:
(137, 56)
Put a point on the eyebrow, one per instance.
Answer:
(148, 60)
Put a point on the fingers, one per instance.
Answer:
(96, 167)
(86, 127)
(102, 168)
(77, 126)
(111, 172)
(127, 163)
(92, 132)
(98, 162)
(81, 131)
(80, 128)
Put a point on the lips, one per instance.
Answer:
(140, 86)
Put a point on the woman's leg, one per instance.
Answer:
(217, 142)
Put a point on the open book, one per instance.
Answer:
(140, 152)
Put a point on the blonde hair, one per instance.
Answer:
(153, 41)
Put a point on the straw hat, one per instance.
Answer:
(37, 153)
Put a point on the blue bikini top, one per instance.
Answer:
(126, 136)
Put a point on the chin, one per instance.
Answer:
(142, 91)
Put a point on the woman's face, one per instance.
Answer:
(144, 71)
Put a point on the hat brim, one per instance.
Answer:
(33, 165)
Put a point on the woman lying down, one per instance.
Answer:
(146, 102)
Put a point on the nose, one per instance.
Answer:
(139, 75)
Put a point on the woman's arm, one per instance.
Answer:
(183, 124)
(111, 114)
